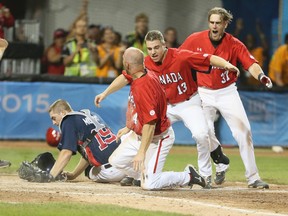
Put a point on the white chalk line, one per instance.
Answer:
(204, 204)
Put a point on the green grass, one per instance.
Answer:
(64, 209)
(272, 168)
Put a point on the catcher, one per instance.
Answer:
(86, 133)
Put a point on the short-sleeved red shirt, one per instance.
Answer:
(147, 102)
(175, 72)
(230, 49)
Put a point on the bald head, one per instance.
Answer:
(133, 56)
(133, 59)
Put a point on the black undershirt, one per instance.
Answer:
(216, 43)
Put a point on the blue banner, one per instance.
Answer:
(24, 106)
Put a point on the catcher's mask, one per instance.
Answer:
(44, 161)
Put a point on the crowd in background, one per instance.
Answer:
(90, 49)
(96, 50)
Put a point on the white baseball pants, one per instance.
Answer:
(192, 115)
(229, 104)
(152, 177)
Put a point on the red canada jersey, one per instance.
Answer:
(175, 72)
(230, 49)
(147, 102)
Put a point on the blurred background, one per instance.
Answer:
(32, 72)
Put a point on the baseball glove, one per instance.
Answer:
(39, 169)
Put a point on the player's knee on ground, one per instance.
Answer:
(151, 182)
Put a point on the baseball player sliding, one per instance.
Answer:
(149, 135)
(218, 90)
(85, 132)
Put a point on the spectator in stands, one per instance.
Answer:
(94, 33)
(79, 55)
(6, 19)
(136, 38)
(118, 39)
(258, 50)
(52, 59)
(278, 67)
(170, 36)
(109, 55)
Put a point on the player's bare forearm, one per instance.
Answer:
(147, 136)
(118, 83)
(61, 162)
(222, 63)
(81, 166)
(255, 70)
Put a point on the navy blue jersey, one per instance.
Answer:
(78, 127)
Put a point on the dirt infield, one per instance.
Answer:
(233, 198)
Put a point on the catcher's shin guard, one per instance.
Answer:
(219, 157)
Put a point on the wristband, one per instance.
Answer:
(260, 76)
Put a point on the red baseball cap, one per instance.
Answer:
(59, 33)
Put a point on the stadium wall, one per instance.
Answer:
(24, 105)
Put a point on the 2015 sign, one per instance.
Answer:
(12, 103)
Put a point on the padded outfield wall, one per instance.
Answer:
(24, 105)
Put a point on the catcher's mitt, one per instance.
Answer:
(38, 170)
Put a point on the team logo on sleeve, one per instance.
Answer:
(152, 112)
(252, 57)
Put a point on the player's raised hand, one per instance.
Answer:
(231, 67)
(265, 80)
(98, 99)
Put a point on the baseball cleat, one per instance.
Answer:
(259, 184)
(220, 176)
(129, 181)
(195, 177)
(219, 157)
(208, 180)
(4, 164)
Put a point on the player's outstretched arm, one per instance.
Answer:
(81, 166)
(256, 71)
(118, 83)
(147, 136)
(222, 63)
(61, 162)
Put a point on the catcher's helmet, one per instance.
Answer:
(52, 137)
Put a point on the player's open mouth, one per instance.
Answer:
(215, 32)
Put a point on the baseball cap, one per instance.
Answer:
(59, 33)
